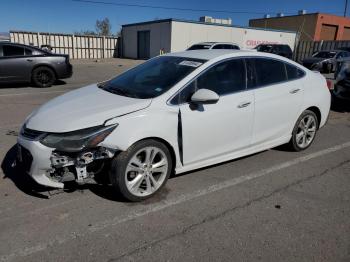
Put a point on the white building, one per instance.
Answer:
(149, 39)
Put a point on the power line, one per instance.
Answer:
(346, 7)
(172, 8)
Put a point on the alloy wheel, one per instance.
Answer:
(146, 171)
(306, 131)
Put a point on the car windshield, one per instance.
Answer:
(153, 77)
(198, 47)
(324, 54)
(264, 48)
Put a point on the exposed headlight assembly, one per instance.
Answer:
(77, 140)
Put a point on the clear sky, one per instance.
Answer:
(67, 16)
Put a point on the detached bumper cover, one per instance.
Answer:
(35, 157)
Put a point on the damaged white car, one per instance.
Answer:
(173, 113)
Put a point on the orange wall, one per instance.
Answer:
(331, 20)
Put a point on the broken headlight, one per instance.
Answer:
(77, 140)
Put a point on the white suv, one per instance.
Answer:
(174, 113)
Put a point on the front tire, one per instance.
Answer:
(43, 76)
(142, 170)
(304, 131)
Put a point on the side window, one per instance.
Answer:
(293, 72)
(235, 47)
(218, 47)
(28, 51)
(268, 71)
(10, 50)
(224, 78)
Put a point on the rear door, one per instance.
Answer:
(278, 97)
(15, 63)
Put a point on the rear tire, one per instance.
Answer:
(141, 171)
(304, 131)
(43, 76)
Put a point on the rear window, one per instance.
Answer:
(226, 46)
(198, 47)
(293, 72)
(12, 50)
(28, 51)
(264, 48)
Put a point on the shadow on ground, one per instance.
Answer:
(26, 84)
(340, 105)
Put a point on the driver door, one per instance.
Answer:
(214, 130)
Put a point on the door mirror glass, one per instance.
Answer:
(205, 96)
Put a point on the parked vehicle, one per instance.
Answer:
(22, 63)
(341, 89)
(325, 61)
(174, 113)
(278, 49)
(214, 45)
(344, 48)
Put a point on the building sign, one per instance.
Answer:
(253, 43)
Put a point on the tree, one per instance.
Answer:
(103, 27)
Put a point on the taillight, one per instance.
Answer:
(330, 84)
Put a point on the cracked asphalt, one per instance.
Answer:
(272, 206)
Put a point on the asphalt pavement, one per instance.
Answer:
(272, 206)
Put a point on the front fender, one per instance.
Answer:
(162, 124)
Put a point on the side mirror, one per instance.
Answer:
(205, 96)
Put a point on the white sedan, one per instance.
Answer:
(174, 113)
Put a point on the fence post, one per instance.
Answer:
(103, 46)
(73, 46)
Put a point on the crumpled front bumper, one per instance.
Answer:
(35, 158)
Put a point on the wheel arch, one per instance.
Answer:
(43, 65)
(317, 112)
(168, 145)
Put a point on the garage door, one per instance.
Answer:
(328, 32)
(143, 44)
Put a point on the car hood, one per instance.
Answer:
(82, 108)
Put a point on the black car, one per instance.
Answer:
(341, 88)
(278, 49)
(22, 63)
(325, 61)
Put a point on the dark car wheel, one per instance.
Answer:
(43, 76)
(141, 171)
(304, 131)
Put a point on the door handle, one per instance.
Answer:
(30, 60)
(294, 91)
(244, 104)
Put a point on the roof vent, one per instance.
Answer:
(280, 15)
(302, 12)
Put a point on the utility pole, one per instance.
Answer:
(346, 7)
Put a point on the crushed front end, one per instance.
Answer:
(54, 158)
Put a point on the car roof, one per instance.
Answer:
(23, 45)
(217, 53)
